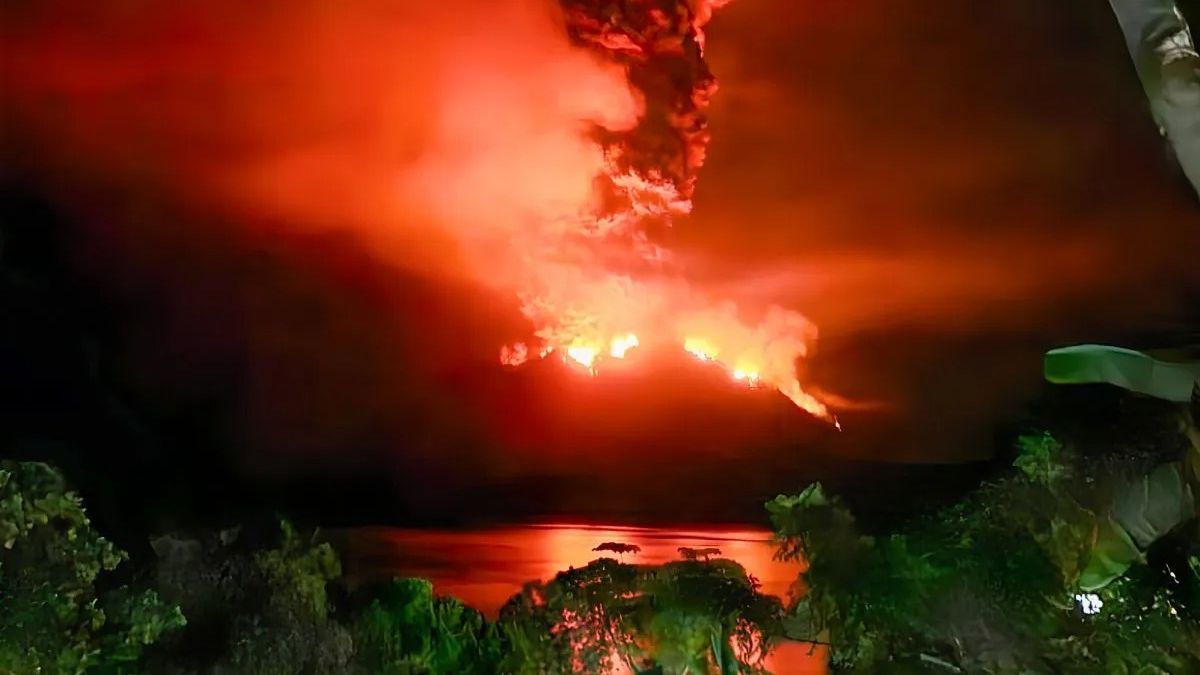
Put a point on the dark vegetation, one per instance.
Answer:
(1077, 559)
(1096, 503)
(60, 611)
(240, 602)
(1084, 558)
(128, 353)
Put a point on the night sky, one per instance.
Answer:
(935, 183)
(209, 280)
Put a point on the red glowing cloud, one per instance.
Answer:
(396, 120)
(526, 148)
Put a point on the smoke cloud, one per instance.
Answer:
(404, 121)
(535, 149)
(906, 178)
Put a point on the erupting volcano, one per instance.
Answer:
(600, 284)
(536, 151)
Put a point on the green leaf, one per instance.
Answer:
(1040, 458)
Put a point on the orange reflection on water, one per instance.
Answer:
(484, 568)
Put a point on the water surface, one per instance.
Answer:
(486, 567)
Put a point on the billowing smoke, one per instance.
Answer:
(944, 189)
(537, 149)
(608, 285)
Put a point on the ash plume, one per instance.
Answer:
(660, 44)
(531, 148)
(618, 283)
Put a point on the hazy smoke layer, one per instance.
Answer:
(518, 145)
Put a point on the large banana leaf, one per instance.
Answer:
(1125, 368)
(1112, 555)
(1147, 507)
(1154, 504)
(1143, 510)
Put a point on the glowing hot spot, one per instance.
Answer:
(700, 349)
(748, 376)
(583, 355)
(622, 344)
(582, 276)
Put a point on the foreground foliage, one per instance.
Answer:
(406, 629)
(1000, 582)
(1065, 564)
(681, 617)
(272, 604)
(53, 617)
(255, 605)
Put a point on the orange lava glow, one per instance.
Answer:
(700, 349)
(622, 344)
(617, 277)
(584, 355)
(754, 364)
(504, 558)
(747, 376)
(537, 148)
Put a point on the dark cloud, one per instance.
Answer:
(944, 191)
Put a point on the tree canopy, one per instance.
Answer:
(1009, 578)
(55, 618)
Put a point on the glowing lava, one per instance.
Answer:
(700, 349)
(748, 376)
(596, 283)
(622, 344)
(583, 355)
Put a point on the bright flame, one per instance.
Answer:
(700, 349)
(748, 376)
(592, 279)
(622, 344)
(583, 355)
(761, 357)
